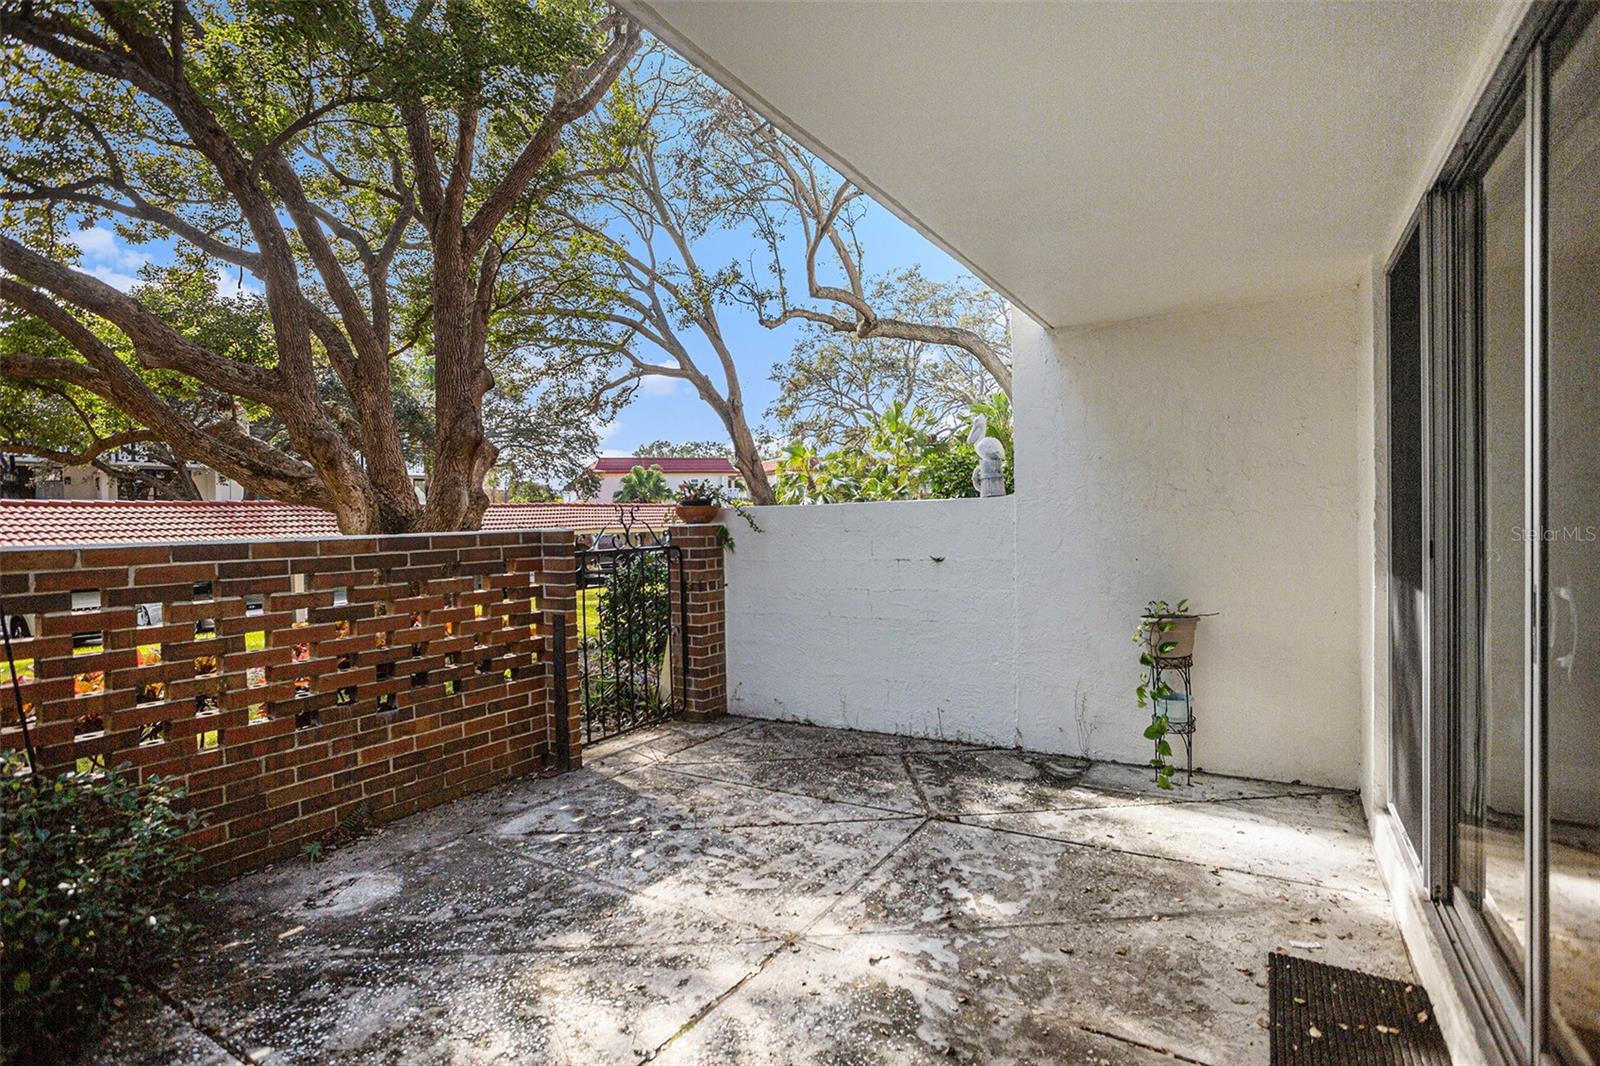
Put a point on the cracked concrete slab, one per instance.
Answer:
(759, 892)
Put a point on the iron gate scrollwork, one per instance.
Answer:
(632, 645)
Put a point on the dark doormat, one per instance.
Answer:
(1327, 1016)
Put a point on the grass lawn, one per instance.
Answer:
(589, 612)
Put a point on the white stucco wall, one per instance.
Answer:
(1217, 456)
(890, 617)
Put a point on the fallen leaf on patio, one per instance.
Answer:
(287, 933)
(1422, 1016)
(873, 960)
(1316, 1034)
(1122, 951)
(1299, 999)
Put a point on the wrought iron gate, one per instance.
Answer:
(632, 646)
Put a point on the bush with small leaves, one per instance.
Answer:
(96, 865)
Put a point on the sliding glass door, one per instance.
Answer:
(1572, 531)
(1495, 752)
(1491, 751)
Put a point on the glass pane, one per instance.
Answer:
(1491, 831)
(1573, 539)
(1406, 538)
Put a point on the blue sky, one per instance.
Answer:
(663, 408)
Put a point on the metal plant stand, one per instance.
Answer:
(1176, 672)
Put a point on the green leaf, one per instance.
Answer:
(1167, 647)
(1163, 747)
(22, 982)
(1154, 731)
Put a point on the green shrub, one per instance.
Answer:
(95, 867)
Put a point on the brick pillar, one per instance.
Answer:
(558, 592)
(706, 672)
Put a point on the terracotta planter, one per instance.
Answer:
(1177, 642)
(697, 514)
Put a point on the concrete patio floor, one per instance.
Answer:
(760, 892)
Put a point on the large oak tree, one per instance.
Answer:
(379, 169)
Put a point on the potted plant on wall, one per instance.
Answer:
(1166, 636)
(699, 501)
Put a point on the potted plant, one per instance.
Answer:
(699, 501)
(1165, 636)
(1169, 631)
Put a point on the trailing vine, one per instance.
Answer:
(1155, 621)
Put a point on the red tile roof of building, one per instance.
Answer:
(124, 521)
(621, 464)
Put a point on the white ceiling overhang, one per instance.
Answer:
(1098, 162)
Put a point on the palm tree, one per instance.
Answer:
(643, 486)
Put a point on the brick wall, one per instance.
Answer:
(297, 685)
(706, 669)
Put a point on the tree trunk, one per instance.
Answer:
(462, 452)
(748, 459)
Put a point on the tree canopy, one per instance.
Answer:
(835, 386)
(381, 172)
(902, 453)
(689, 449)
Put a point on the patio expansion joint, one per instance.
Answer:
(671, 754)
(911, 775)
(821, 939)
(194, 1021)
(789, 943)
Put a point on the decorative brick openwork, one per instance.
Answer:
(706, 672)
(297, 685)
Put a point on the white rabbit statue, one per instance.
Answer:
(990, 476)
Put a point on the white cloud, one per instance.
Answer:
(656, 385)
(230, 284)
(115, 278)
(608, 432)
(101, 246)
